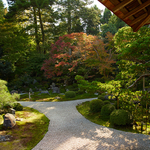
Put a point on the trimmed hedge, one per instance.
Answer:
(101, 97)
(106, 102)
(120, 117)
(96, 105)
(107, 110)
(18, 107)
(70, 94)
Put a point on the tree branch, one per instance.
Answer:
(96, 53)
(144, 75)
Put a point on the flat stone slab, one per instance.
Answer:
(69, 130)
(4, 138)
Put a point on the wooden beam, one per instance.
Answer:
(142, 6)
(138, 19)
(142, 23)
(121, 5)
(103, 1)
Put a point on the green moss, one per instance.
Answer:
(29, 131)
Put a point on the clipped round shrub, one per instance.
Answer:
(107, 110)
(106, 102)
(70, 94)
(101, 97)
(18, 107)
(96, 105)
(120, 117)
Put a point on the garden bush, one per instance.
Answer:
(101, 97)
(70, 94)
(5, 96)
(120, 117)
(18, 107)
(107, 110)
(96, 105)
(80, 92)
(106, 102)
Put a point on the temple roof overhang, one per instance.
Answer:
(135, 13)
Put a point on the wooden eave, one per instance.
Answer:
(135, 13)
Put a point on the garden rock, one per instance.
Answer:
(4, 138)
(95, 93)
(45, 92)
(54, 88)
(62, 93)
(12, 111)
(58, 97)
(34, 81)
(13, 91)
(67, 90)
(9, 120)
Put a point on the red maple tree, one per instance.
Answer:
(75, 49)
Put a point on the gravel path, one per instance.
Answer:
(69, 130)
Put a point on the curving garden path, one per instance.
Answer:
(69, 130)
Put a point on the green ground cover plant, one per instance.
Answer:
(54, 97)
(84, 109)
(27, 133)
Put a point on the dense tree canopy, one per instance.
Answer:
(74, 50)
(133, 48)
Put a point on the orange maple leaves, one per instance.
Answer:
(77, 48)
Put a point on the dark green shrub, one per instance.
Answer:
(96, 105)
(106, 102)
(120, 117)
(80, 92)
(70, 94)
(101, 97)
(107, 110)
(18, 107)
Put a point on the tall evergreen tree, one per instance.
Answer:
(113, 25)
(107, 14)
(91, 20)
(70, 10)
(1, 9)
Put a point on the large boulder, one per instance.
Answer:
(9, 120)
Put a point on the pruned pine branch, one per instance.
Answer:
(144, 75)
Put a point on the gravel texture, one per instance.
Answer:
(69, 130)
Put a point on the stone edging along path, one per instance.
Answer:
(69, 130)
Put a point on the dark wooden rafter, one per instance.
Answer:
(121, 5)
(134, 12)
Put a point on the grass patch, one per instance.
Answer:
(53, 97)
(27, 133)
(84, 109)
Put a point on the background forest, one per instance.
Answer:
(28, 31)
